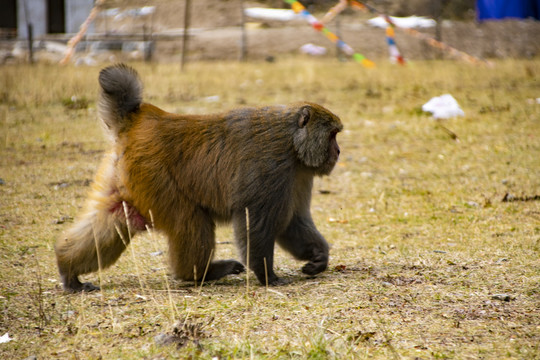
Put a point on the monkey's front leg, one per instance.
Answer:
(305, 242)
(261, 248)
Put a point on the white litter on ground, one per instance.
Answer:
(443, 107)
(312, 49)
(5, 338)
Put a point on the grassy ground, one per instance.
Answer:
(427, 260)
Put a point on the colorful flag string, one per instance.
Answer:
(393, 50)
(395, 54)
(415, 33)
(317, 25)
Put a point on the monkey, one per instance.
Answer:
(183, 174)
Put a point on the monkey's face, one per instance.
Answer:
(333, 154)
(315, 138)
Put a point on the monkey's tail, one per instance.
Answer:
(121, 95)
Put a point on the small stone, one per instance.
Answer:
(502, 297)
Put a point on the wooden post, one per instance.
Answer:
(243, 40)
(30, 33)
(148, 44)
(187, 17)
(30, 30)
(437, 14)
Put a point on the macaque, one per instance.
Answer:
(189, 172)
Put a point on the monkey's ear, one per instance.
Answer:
(305, 115)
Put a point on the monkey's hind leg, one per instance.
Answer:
(100, 234)
(95, 242)
(191, 247)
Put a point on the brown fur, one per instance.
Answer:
(190, 171)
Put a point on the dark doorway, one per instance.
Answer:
(56, 17)
(8, 19)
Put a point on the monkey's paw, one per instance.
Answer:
(81, 287)
(221, 268)
(237, 268)
(73, 285)
(313, 268)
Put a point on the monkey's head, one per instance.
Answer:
(315, 138)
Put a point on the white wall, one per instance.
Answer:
(76, 12)
(37, 15)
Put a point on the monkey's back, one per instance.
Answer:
(218, 162)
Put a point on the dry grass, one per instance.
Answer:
(421, 238)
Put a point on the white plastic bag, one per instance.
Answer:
(443, 107)
(312, 49)
(5, 338)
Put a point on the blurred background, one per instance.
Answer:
(153, 30)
